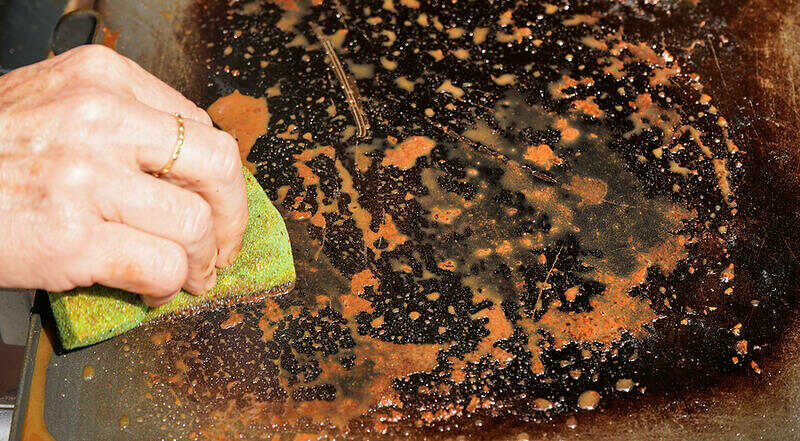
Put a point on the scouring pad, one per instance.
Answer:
(264, 265)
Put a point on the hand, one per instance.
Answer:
(79, 135)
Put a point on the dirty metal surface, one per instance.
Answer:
(568, 220)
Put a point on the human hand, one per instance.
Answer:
(79, 135)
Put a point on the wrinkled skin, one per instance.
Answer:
(79, 135)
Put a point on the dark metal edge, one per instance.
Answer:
(95, 36)
(23, 390)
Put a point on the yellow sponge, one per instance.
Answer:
(264, 265)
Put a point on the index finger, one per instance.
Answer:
(150, 90)
(101, 63)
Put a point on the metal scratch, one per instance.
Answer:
(494, 153)
(352, 96)
(538, 305)
(716, 60)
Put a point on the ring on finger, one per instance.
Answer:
(177, 151)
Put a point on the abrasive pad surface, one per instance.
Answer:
(264, 265)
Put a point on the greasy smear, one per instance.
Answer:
(592, 191)
(88, 373)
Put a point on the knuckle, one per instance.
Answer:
(65, 284)
(154, 301)
(90, 51)
(96, 59)
(65, 279)
(204, 117)
(93, 106)
(76, 174)
(197, 221)
(69, 245)
(76, 278)
(200, 116)
(227, 163)
(243, 216)
(174, 268)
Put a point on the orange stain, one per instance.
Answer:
(245, 118)
(504, 247)
(572, 293)
(542, 155)
(445, 215)
(310, 154)
(286, 5)
(566, 82)
(506, 18)
(447, 265)
(318, 219)
(352, 305)
(300, 215)
(568, 133)
(290, 133)
(305, 172)
(110, 38)
(615, 311)
(591, 191)
(388, 231)
(234, 319)
(483, 252)
(405, 155)
(361, 280)
(34, 428)
(728, 273)
(589, 107)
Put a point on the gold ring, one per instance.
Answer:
(178, 146)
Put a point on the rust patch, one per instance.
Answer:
(591, 191)
(405, 155)
(542, 155)
(245, 118)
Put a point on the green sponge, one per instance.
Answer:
(264, 265)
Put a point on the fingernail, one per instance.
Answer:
(155, 302)
(232, 258)
(235, 254)
(212, 281)
(168, 298)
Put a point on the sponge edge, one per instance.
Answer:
(85, 316)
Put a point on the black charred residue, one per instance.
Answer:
(418, 302)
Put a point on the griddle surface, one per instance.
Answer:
(575, 203)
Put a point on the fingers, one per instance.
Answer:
(100, 64)
(157, 94)
(140, 117)
(208, 164)
(170, 212)
(125, 258)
